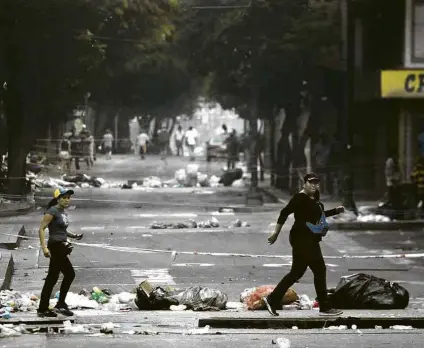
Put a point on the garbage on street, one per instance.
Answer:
(363, 291)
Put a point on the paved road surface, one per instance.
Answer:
(122, 271)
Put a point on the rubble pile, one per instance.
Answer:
(213, 223)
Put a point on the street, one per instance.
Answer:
(128, 227)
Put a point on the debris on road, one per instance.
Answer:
(108, 328)
(282, 342)
(363, 291)
(195, 298)
(239, 223)
(401, 327)
(304, 302)
(70, 328)
(213, 223)
(253, 297)
(204, 331)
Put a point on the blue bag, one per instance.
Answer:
(322, 226)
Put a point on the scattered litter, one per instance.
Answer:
(282, 342)
(6, 331)
(378, 327)
(108, 328)
(363, 291)
(353, 327)
(253, 297)
(401, 327)
(294, 327)
(204, 331)
(173, 255)
(235, 305)
(340, 327)
(373, 218)
(178, 308)
(213, 223)
(239, 223)
(203, 299)
(304, 302)
(69, 328)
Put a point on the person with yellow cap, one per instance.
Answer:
(57, 249)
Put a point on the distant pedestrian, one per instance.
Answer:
(92, 149)
(418, 179)
(65, 156)
(178, 140)
(305, 236)
(232, 144)
(392, 178)
(163, 142)
(191, 140)
(57, 249)
(76, 149)
(108, 140)
(142, 142)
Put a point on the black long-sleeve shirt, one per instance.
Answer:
(305, 210)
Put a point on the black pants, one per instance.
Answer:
(303, 256)
(179, 147)
(59, 262)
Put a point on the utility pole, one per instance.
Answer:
(348, 47)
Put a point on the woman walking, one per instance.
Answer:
(305, 235)
(57, 249)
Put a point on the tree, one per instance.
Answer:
(259, 56)
(54, 52)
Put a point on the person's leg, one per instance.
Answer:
(318, 267)
(77, 163)
(51, 279)
(299, 266)
(68, 277)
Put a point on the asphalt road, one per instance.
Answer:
(123, 270)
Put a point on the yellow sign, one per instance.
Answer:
(402, 84)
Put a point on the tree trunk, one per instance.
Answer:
(254, 139)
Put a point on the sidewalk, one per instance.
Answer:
(283, 198)
(16, 208)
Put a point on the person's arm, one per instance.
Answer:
(74, 235)
(283, 216)
(47, 218)
(334, 211)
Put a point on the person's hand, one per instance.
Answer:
(46, 252)
(79, 236)
(272, 239)
(340, 209)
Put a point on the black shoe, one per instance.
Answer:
(270, 308)
(48, 313)
(331, 312)
(64, 310)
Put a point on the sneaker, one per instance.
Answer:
(64, 310)
(270, 308)
(331, 312)
(46, 313)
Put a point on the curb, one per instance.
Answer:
(35, 321)
(309, 323)
(17, 212)
(7, 267)
(377, 226)
(11, 242)
(405, 225)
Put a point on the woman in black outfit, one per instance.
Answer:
(306, 251)
(57, 250)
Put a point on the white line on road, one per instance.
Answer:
(290, 264)
(193, 264)
(157, 276)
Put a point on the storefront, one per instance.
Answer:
(406, 86)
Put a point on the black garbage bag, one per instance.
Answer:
(203, 299)
(231, 175)
(364, 291)
(156, 299)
